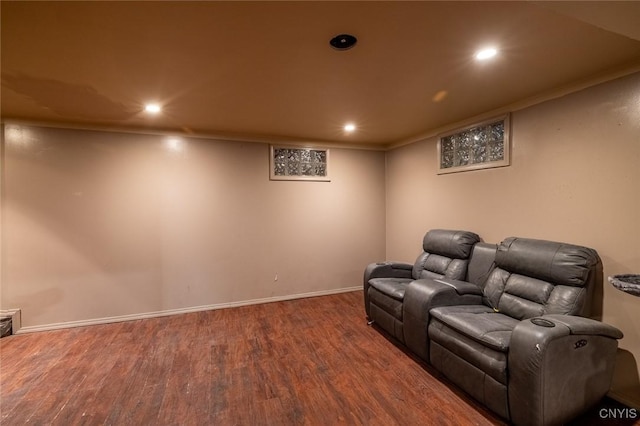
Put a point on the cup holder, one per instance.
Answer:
(542, 322)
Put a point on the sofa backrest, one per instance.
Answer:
(481, 263)
(446, 254)
(537, 277)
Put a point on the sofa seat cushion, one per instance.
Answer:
(476, 334)
(392, 287)
(387, 304)
(480, 323)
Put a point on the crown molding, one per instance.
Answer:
(223, 137)
(545, 96)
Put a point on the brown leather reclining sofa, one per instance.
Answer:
(507, 323)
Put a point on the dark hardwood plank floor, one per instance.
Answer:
(308, 361)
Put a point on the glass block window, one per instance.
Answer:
(480, 146)
(292, 163)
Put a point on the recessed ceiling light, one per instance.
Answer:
(152, 108)
(486, 53)
(349, 127)
(343, 41)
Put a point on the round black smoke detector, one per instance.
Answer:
(343, 42)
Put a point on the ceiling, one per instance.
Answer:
(265, 70)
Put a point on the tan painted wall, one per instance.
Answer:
(100, 224)
(575, 177)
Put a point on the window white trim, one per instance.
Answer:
(299, 163)
(479, 146)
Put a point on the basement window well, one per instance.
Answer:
(297, 163)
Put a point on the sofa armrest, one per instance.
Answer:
(384, 270)
(580, 325)
(423, 295)
(387, 270)
(559, 366)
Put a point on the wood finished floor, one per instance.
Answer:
(309, 361)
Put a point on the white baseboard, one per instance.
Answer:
(146, 315)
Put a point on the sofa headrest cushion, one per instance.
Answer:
(453, 244)
(557, 263)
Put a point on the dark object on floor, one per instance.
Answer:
(5, 326)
